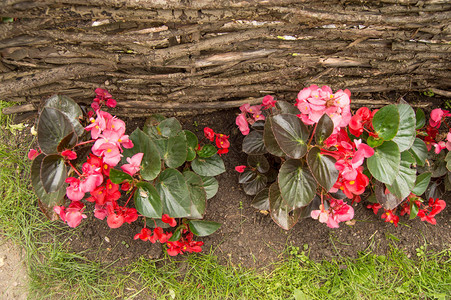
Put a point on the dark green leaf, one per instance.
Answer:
(270, 140)
(210, 166)
(323, 168)
(291, 134)
(313, 205)
(174, 194)
(420, 118)
(421, 183)
(147, 200)
(68, 107)
(297, 185)
(282, 213)
(151, 163)
(324, 129)
(207, 151)
(169, 127)
(253, 143)
(419, 151)
(118, 177)
(191, 143)
(259, 125)
(256, 185)
(386, 122)
(203, 228)
(53, 173)
(384, 164)
(247, 176)
(287, 108)
(261, 200)
(259, 162)
(197, 194)
(176, 235)
(434, 190)
(210, 185)
(68, 142)
(405, 180)
(448, 161)
(53, 127)
(47, 200)
(406, 131)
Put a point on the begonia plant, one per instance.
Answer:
(167, 172)
(305, 159)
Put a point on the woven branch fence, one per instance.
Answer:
(211, 54)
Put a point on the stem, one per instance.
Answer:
(84, 143)
(75, 169)
(131, 194)
(313, 133)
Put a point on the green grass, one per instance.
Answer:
(57, 273)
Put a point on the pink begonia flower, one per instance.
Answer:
(69, 154)
(61, 211)
(115, 221)
(258, 117)
(109, 151)
(439, 147)
(242, 124)
(32, 154)
(74, 214)
(245, 107)
(116, 125)
(436, 117)
(268, 101)
(100, 212)
(133, 165)
(102, 93)
(255, 109)
(111, 103)
(97, 125)
(338, 212)
(363, 151)
(73, 191)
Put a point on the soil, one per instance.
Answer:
(249, 237)
(13, 271)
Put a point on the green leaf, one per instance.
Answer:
(419, 151)
(297, 185)
(207, 151)
(210, 185)
(68, 107)
(53, 127)
(384, 164)
(147, 200)
(169, 127)
(203, 228)
(256, 185)
(191, 143)
(270, 140)
(287, 108)
(176, 151)
(405, 180)
(174, 194)
(261, 200)
(151, 163)
(117, 176)
(210, 166)
(420, 118)
(281, 211)
(253, 143)
(259, 162)
(291, 134)
(422, 183)
(150, 127)
(53, 173)
(176, 235)
(406, 131)
(197, 194)
(323, 168)
(448, 161)
(324, 129)
(413, 210)
(386, 122)
(374, 142)
(47, 200)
